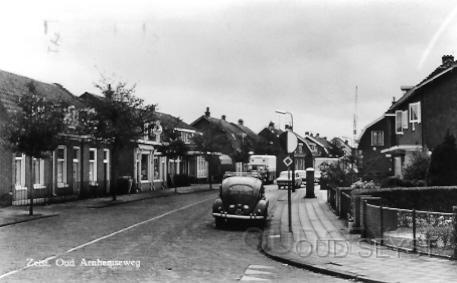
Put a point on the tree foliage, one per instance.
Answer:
(443, 165)
(34, 128)
(417, 169)
(119, 116)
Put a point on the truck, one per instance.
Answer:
(265, 165)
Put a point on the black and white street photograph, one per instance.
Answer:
(228, 141)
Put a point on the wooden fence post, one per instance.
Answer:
(414, 231)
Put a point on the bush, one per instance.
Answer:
(334, 175)
(443, 165)
(417, 170)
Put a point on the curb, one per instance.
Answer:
(309, 266)
(27, 220)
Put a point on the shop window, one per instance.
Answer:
(377, 138)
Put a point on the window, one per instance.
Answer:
(404, 119)
(202, 167)
(186, 137)
(144, 173)
(76, 156)
(19, 171)
(156, 168)
(92, 165)
(38, 173)
(106, 163)
(146, 131)
(399, 122)
(377, 138)
(415, 112)
(61, 155)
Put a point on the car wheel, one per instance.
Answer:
(220, 222)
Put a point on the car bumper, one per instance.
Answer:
(235, 216)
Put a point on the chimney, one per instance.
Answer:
(447, 60)
(393, 100)
(207, 113)
(317, 135)
(306, 133)
(406, 88)
(311, 134)
(223, 117)
(346, 142)
(271, 126)
(240, 122)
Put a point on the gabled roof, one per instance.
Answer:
(13, 86)
(170, 120)
(437, 73)
(371, 124)
(247, 131)
(317, 141)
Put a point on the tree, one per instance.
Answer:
(118, 120)
(34, 129)
(443, 166)
(209, 143)
(174, 147)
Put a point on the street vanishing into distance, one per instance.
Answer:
(165, 239)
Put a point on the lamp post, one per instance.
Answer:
(289, 196)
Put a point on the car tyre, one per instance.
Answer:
(220, 222)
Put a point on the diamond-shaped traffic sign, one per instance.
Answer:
(287, 161)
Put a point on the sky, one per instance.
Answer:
(243, 59)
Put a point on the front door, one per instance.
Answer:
(397, 166)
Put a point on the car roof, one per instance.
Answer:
(241, 180)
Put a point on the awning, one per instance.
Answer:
(225, 159)
(402, 148)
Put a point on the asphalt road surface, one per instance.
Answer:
(168, 239)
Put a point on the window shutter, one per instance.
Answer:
(418, 112)
(405, 119)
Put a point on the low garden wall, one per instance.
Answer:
(422, 219)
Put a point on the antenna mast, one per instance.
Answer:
(354, 133)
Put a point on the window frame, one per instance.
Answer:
(398, 122)
(148, 167)
(418, 112)
(64, 181)
(377, 137)
(94, 161)
(40, 184)
(21, 184)
(106, 160)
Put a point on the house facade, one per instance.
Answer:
(77, 167)
(420, 119)
(376, 137)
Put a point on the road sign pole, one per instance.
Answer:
(289, 203)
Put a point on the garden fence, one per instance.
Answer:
(411, 230)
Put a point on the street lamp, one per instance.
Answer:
(289, 197)
(291, 116)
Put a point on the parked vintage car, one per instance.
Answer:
(285, 179)
(241, 197)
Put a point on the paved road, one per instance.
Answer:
(169, 239)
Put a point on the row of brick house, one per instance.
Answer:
(417, 122)
(79, 166)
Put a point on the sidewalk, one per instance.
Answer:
(18, 214)
(320, 242)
